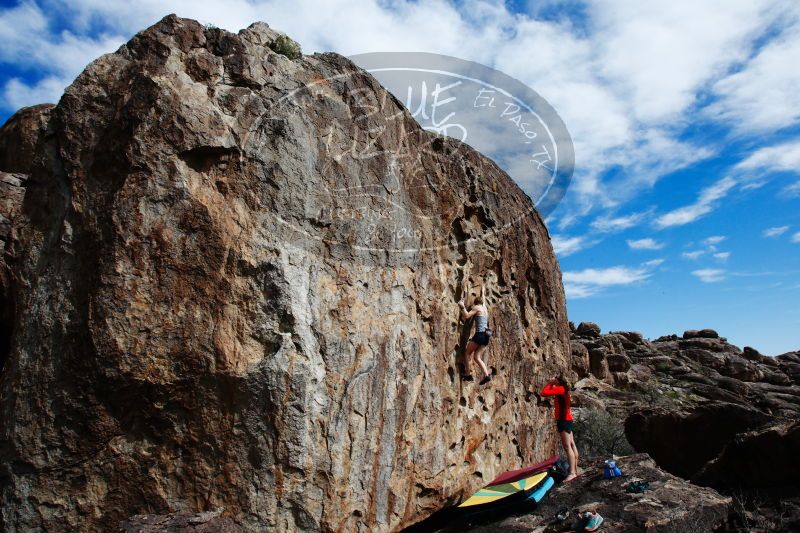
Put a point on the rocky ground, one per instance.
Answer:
(724, 421)
(670, 503)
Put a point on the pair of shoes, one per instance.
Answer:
(589, 521)
(637, 487)
(486, 380)
(467, 377)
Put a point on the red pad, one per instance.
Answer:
(515, 475)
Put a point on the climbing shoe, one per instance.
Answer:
(486, 380)
(637, 487)
(588, 521)
(467, 377)
(593, 521)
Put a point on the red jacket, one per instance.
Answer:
(562, 400)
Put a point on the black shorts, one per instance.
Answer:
(481, 338)
(564, 426)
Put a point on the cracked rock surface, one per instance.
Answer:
(232, 284)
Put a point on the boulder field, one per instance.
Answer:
(703, 409)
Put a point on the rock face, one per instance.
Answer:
(12, 192)
(19, 137)
(683, 442)
(207, 522)
(765, 458)
(202, 319)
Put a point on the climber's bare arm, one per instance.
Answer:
(466, 315)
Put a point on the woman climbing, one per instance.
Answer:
(478, 343)
(559, 388)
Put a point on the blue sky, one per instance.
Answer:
(683, 212)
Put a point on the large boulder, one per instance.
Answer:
(700, 334)
(598, 365)
(580, 359)
(20, 136)
(683, 441)
(618, 362)
(766, 458)
(740, 368)
(204, 319)
(588, 329)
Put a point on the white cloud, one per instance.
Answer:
(754, 170)
(693, 255)
(645, 244)
(778, 158)
(710, 244)
(765, 94)
(709, 275)
(706, 202)
(714, 239)
(27, 41)
(752, 185)
(618, 223)
(19, 94)
(653, 263)
(623, 87)
(775, 232)
(575, 292)
(792, 190)
(591, 281)
(749, 174)
(796, 237)
(626, 84)
(565, 246)
(659, 53)
(618, 275)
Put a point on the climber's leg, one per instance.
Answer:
(576, 471)
(477, 356)
(468, 355)
(565, 443)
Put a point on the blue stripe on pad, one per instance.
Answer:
(539, 493)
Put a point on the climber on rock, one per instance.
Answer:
(478, 343)
(559, 388)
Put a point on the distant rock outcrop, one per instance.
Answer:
(699, 367)
(203, 316)
(703, 408)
